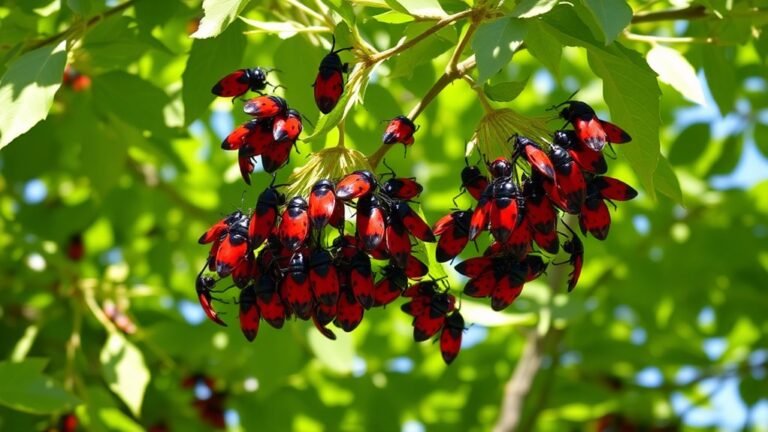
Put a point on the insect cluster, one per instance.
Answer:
(521, 202)
(301, 258)
(286, 265)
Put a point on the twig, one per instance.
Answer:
(667, 39)
(411, 42)
(91, 22)
(454, 61)
(445, 79)
(519, 384)
(480, 94)
(689, 13)
(308, 11)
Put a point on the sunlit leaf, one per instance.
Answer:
(124, 371)
(544, 46)
(674, 69)
(218, 15)
(612, 16)
(494, 44)
(532, 8)
(665, 180)
(209, 61)
(506, 91)
(27, 89)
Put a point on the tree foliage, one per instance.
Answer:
(110, 169)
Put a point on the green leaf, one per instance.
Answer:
(26, 389)
(673, 68)
(532, 8)
(132, 99)
(729, 156)
(422, 8)
(330, 120)
(27, 89)
(82, 7)
(150, 14)
(209, 61)
(393, 17)
(494, 44)
(761, 138)
(506, 91)
(613, 16)
(634, 107)
(751, 389)
(344, 9)
(690, 144)
(116, 43)
(543, 46)
(124, 371)
(337, 355)
(721, 77)
(665, 180)
(423, 52)
(218, 15)
(629, 87)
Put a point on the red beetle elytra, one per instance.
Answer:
(413, 222)
(263, 107)
(370, 221)
(481, 216)
(361, 279)
(450, 337)
(322, 203)
(453, 230)
(473, 181)
(240, 81)
(276, 155)
(572, 189)
(295, 287)
(391, 285)
(249, 313)
(271, 306)
(504, 210)
(329, 84)
(349, 312)
(264, 215)
(398, 242)
(402, 188)
(294, 224)
(534, 155)
(588, 159)
(323, 278)
(234, 246)
(399, 130)
(594, 216)
(429, 309)
(540, 215)
(592, 131)
(287, 126)
(355, 185)
(414, 268)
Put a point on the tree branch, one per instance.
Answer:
(689, 13)
(91, 22)
(519, 384)
(434, 29)
(445, 79)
